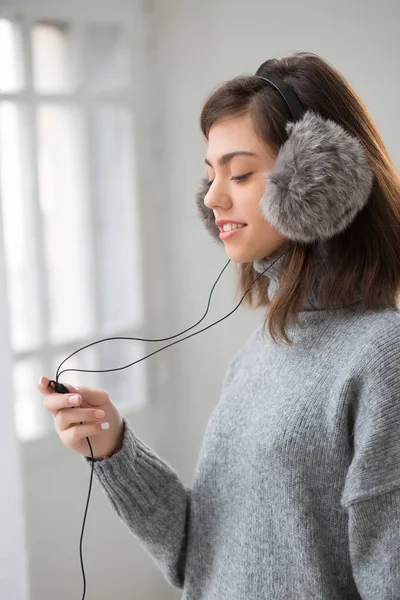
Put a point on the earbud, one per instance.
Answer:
(58, 387)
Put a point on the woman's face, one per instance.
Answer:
(235, 200)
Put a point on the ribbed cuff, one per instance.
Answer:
(126, 454)
(135, 478)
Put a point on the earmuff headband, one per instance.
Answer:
(288, 94)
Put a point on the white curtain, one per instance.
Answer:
(13, 560)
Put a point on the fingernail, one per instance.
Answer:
(74, 399)
(105, 425)
(74, 387)
(99, 414)
(41, 380)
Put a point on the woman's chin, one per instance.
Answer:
(238, 255)
(243, 255)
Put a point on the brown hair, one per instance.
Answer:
(366, 256)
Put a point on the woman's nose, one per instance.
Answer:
(217, 196)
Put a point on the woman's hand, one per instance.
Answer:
(93, 415)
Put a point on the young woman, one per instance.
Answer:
(296, 493)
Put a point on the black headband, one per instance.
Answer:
(288, 94)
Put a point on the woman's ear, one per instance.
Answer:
(206, 214)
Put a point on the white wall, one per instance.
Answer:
(55, 479)
(192, 46)
(13, 558)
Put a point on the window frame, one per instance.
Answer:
(77, 14)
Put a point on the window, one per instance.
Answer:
(70, 210)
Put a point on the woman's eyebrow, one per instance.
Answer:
(225, 158)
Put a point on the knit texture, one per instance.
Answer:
(296, 493)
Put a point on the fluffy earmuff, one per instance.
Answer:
(321, 179)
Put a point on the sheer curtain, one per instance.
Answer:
(13, 559)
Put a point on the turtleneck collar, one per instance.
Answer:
(275, 269)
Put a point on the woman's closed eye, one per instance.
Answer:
(238, 178)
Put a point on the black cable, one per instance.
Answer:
(62, 389)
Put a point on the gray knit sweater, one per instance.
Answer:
(296, 494)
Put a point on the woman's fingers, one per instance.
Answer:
(55, 402)
(73, 435)
(43, 385)
(69, 417)
(93, 413)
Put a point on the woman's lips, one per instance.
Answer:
(224, 234)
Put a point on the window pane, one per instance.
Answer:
(116, 218)
(52, 62)
(32, 419)
(126, 387)
(22, 277)
(11, 57)
(64, 206)
(106, 58)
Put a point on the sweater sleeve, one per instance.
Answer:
(150, 499)
(371, 494)
(374, 546)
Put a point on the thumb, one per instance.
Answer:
(90, 395)
(62, 388)
(72, 388)
(46, 387)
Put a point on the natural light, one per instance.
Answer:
(68, 202)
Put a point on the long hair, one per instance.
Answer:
(365, 257)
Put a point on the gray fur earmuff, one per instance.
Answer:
(321, 179)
